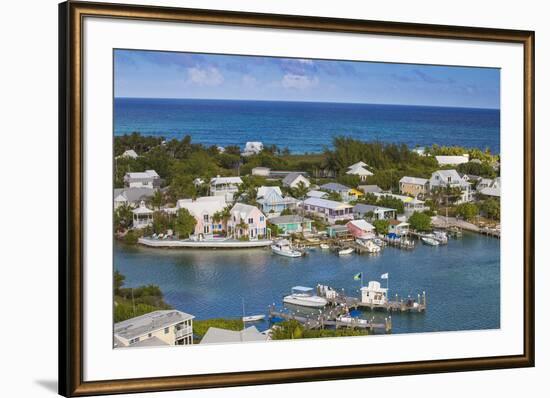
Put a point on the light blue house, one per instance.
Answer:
(292, 224)
(272, 201)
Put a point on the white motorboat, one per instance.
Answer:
(305, 297)
(430, 241)
(369, 245)
(324, 246)
(346, 251)
(253, 318)
(440, 236)
(283, 248)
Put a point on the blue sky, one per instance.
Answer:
(154, 74)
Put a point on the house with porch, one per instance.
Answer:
(347, 194)
(292, 224)
(451, 179)
(329, 210)
(203, 209)
(373, 212)
(247, 221)
(157, 328)
(225, 186)
(272, 201)
(146, 179)
(399, 227)
(414, 186)
(142, 216)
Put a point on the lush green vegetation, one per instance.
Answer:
(420, 222)
(491, 208)
(383, 201)
(382, 226)
(468, 211)
(294, 330)
(483, 169)
(132, 302)
(184, 225)
(201, 326)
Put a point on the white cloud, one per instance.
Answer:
(299, 82)
(209, 76)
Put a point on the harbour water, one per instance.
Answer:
(461, 280)
(306, 126)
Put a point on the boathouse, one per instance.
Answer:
(360, 229)
(374, 295)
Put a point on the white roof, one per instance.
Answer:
(263, 191)
(358, 164)
(317, 194)
(362, 224)
(145, 174)
(359, 170)
(413, 180)
(451, 160)
(453, 175)
(216, 335)
(226, 180)
(142, 209)
(243, 209)
(129, 153)
(202, 205)
(490, 191)
(327, 204)
(149, 322)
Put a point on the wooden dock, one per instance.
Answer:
(408, 304)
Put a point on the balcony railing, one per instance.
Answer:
(184, 331)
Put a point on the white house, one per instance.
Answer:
(358, 170)
(399, 227)
(157, 328)
(272, 201)
(329, 210)
(451, 178)
(142, 216)
(293, 179)
(225, 186)
(203, 209)
(129, 153)
(488, 187)
(132, 196)
(317, 194)
(374, 294)
(247, 220)
(261, 171)
(444, 160)
(252, 148)
(146, 179)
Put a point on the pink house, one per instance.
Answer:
(360, 229)
(203, 209)
(247, 220)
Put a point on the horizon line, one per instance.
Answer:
(309, 101)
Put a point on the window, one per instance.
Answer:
(205, 217)
(251, 221)
(133, 341)
(150, 335)
(261, 218)
(166, 330)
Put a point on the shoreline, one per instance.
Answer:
(180, 244)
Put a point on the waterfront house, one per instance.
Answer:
(489, 188)
(272, 201)
(164, 327)
(399, 227)
(225, 186)
(373, 212)
(146, 179)
(347, 194)
(338, 231)
(132, 196)
(328, 210)
(252, 148)
(360, 229)
(317, 194)
(410, 204)
(373, 294)
(261, 171)
(142, 216)
(369, 188)
(129, 154)
(293, 179)
(218, 336)
(292, 224)
(203, 209)
(414, 186)
(247, 221)
(451, 178)
(358, 170)
(452, 160)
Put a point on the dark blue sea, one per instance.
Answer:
(306, 126)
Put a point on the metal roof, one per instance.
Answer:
(143, 324)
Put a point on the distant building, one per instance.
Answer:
(399, 227)
(146, 179)
(361, 210)
(374, 294)
(414, 186)
(225, 186)
(247, 221)
(358, 169)
(203, 209)
(198, 182)
(317, 194)
(271, 200)
(369, 188)
(132, 196)
(420, 151)
(142, 216)
(292, 224)
(329, 210)
(219, 336)
(164, 327)
(292, 180)
(451, 178)
(360, 229)
(252, 148)
(488, 187)
(129, 153)
(261, 171)
(347, 194)
(410, 204)
(452, 160)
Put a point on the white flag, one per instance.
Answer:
(384, 276)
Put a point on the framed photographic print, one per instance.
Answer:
(251, 198)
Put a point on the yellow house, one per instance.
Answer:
(157, 328)
(413, 186)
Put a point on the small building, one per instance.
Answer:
(361, 210)
(360, 229)
(489, 188)
(329, 210)
(292, 224)
(346, 193)
(420, 151)
(399, 227)
(252, 148)
(204, 209)
(373, 294)
(292, 180)
(261, 171)
(163, 327)
(247, 221)
(142, 216)
(225, 186)
(132, 196)
(414, 186)
(272, 201)
(219, 336)
(338, 231)
(370, 188)
(451, 178)
(317, 194)
(129, 153)
(198, 182)
(146, 179)
(444, 160)
(358, 169)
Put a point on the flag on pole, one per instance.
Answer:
(358, 276)
(384, 276)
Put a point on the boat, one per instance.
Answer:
(379, 242)
(430, 241)
(283, 248)
(369, 245)
(253, 318)
(324, 246)
(440, 236)
(305, 297)
(347, 250)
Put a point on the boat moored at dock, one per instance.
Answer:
(429, 241)
(284, 248)
(305, 297)
(346, 251)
